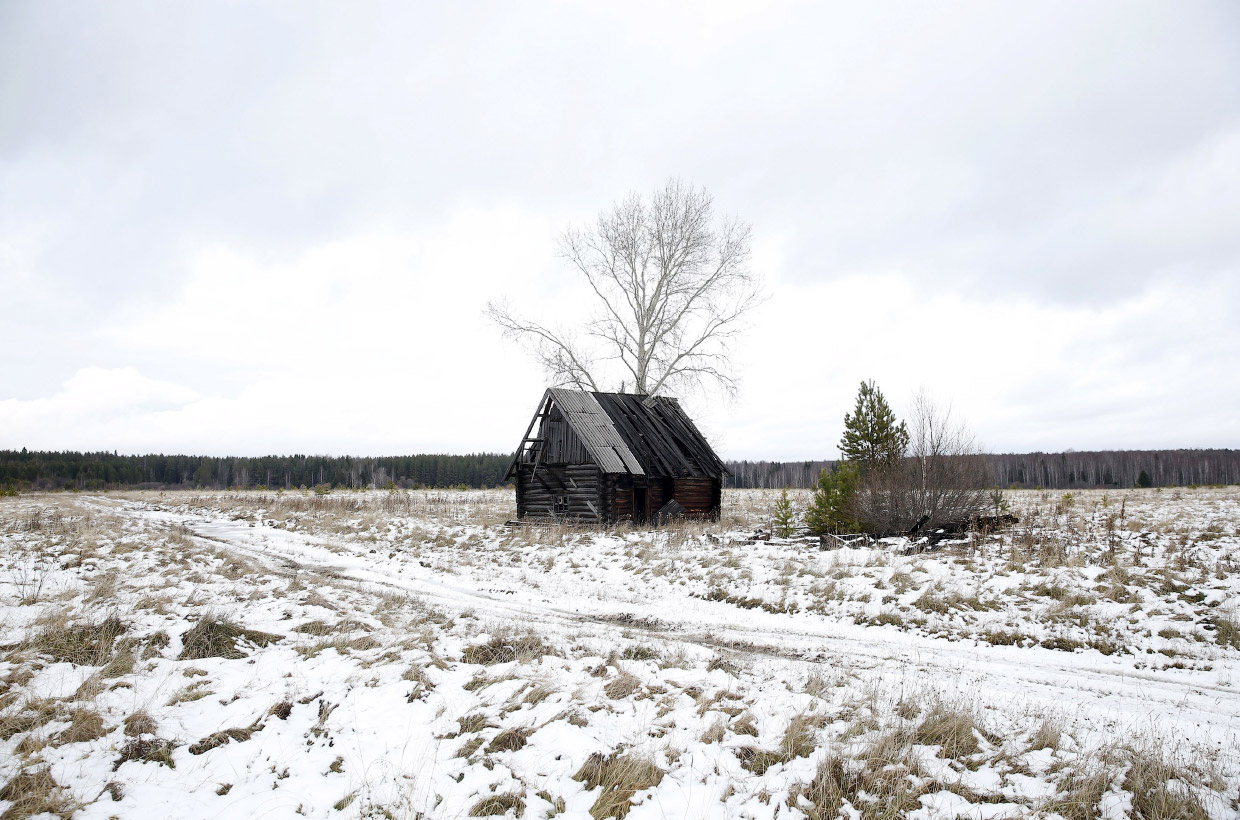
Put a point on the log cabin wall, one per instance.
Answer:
(621, 497)
(560, 491)
(641, 454)
(700, 497)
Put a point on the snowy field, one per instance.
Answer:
(406, 655)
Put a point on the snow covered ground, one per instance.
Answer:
(405, 654)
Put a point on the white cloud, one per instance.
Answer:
(1030, 216)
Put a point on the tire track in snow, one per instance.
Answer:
(1113, 693)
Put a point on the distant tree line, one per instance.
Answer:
(94, 471)
(1066, 471)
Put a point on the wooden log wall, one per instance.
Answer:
(701, 497)
(621, 497)
(619, 501)
(539, 489)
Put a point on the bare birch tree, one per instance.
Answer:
(949, 477)
(673, 285)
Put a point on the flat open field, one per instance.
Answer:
(406, 655)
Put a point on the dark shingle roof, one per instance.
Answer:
(639, 435)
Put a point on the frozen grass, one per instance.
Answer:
(405, 654)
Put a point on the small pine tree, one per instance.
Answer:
(872, 435)
(784, 523)
(1144, 480)
(830, 509)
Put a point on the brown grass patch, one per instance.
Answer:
(506, 649)
(86, 725)
(148, 750)
(621, 686)
(84, 645)
(213, 637)
(217, 739)
(620, 777)
(953, 730)
(32, 792)
(510, 740)
(498, 804)
(140, 723)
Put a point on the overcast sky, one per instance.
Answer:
(251, 228)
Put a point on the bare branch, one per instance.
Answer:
(671, 285)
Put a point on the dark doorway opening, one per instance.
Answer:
(640, 511)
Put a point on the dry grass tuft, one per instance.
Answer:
(715, 732)
(213, 637)
(953, 730)
(498, 804)
(84, 645)
(1048, 735)
(474, 723)
(1081, 794)
(1159, 790)
(1226, 632)
(620, 776)
(32, 792)
(148, 750)
(140, 723)
(506, 649)
(218, 739)
(510, 740)
(621, 686)
(86, 725)
(799, 740)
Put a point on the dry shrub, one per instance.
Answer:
(620, 776)
(506, 649)
(32, 792)
(498, 804)
(213, 637)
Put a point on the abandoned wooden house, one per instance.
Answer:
(605, 457)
